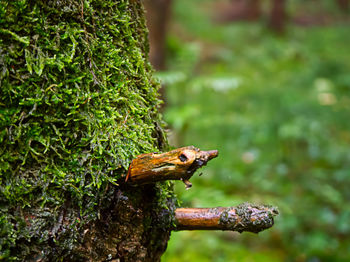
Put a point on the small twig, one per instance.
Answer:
(178, 164)
(244, 217)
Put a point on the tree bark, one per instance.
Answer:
(244, 217)
(77, 104)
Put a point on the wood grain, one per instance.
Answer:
(244, 217)
(178, 164)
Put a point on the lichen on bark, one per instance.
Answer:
(77, 103)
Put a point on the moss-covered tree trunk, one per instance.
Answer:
(77, 103)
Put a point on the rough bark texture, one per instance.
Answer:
(77, 104)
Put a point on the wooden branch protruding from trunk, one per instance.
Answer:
(178, 164)
(244, 217)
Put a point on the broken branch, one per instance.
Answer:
(178, 164)
(244, 217)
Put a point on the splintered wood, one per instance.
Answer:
(244, 217)
(178, 164)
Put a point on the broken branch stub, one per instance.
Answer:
(244, 217)
(178, 164)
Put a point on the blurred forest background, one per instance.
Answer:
(267, 83)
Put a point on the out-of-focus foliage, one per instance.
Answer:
(277, 108)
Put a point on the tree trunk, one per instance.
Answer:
(158, 15)
(77, 104)
(278, 16)
(239, 10)
(343, 5)
(254, 11)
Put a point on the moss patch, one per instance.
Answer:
(77, 103)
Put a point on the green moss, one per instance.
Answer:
(77, 103)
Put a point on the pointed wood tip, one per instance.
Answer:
(178, 164)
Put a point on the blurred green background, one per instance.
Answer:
(277, 107)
